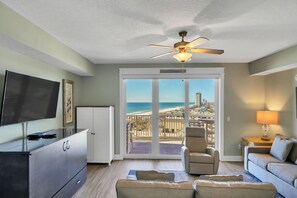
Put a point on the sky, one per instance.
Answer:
(169, 90)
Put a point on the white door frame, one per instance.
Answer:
(216, 73)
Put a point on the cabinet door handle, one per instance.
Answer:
(64, 148)
(78, 181)
(67, 145)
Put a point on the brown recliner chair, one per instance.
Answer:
(197, 158)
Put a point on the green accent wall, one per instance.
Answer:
(16, 29)
(280, 87)
(244, 94)
(279, 61)
(280, 96)
(15, 62)
(20, 40)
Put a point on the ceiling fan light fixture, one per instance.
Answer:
(182, 57)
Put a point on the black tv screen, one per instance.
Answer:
(26, 98)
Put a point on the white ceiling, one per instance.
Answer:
(118, 31)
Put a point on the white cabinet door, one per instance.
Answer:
(102, 134)
(111, 125)
(85, 121)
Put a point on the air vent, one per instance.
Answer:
(173, 71)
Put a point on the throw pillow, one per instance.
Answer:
(281, 148)
(154, 175)
(293, 154)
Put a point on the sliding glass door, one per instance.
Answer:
(202, 107)
(158, 110)
(171, 115)
(139, 116)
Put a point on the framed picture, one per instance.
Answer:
(68, 107)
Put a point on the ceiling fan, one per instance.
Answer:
(183, 48)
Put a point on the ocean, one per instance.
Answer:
(133, 107)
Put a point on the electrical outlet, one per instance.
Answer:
(239, 146)
(228, 118)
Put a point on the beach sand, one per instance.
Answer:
(160, 111)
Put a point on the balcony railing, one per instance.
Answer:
(170, 127)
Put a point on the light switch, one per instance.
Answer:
(228, 118)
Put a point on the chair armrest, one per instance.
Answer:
(215, 153)
(185, 156)
(254, 149)
(211, 151)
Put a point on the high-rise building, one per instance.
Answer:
(205, 102)
(198, 99)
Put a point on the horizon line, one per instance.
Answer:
(159, 102)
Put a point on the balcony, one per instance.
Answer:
(171, 132)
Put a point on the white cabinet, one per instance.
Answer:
(100, 137)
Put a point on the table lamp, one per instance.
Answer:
(266, 118)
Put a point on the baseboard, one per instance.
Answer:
(232, 158)
(118, 157)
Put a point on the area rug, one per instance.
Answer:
(183, 176)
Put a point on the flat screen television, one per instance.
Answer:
(26, 98)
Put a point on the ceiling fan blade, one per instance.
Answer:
(207, 51)
(197, 41)
(164, 54)
(163, 46)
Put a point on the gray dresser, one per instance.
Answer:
(53, 167)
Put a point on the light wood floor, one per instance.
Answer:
(101, 179)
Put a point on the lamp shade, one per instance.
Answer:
(182, 57)
(267, 117)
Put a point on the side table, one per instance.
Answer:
(254, 141)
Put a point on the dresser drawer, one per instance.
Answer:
(73, 185)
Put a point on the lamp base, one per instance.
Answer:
(265, 138)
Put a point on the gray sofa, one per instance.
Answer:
(201, 188)
(276, 164)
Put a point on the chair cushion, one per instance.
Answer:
(281, 148)
(262, 160)
(221, 178)
(285, 171)
(150, 189)
(195, 132)
(201, 158)
(293, 153)
(212, 189)
(154, 175)
(196, 144)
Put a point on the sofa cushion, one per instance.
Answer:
(201, 158)
(293, 153)
(154, 175)
(281, 148)
(262, 160)
(285, 171)
(126, 188)
(212, 189)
